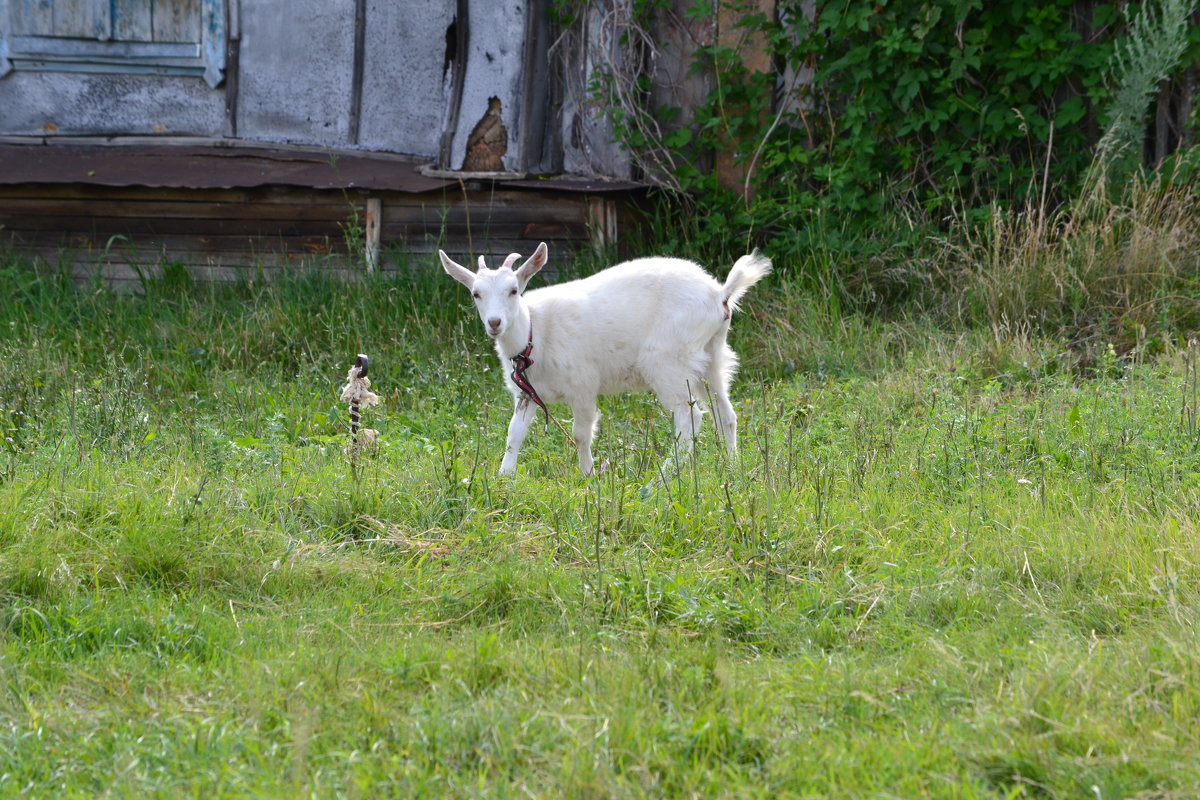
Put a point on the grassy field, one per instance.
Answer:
(942, 565)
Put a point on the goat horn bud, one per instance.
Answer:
(512, 259)
(482, 264)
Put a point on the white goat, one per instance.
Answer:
(654, 324)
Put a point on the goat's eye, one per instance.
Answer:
(512, 292)
(476, 295)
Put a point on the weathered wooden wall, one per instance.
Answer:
(412, 77)
(221, 234)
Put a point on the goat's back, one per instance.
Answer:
(635, 296)
(609, 329)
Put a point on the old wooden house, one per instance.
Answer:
(223, 135)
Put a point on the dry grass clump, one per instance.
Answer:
(1102, 267)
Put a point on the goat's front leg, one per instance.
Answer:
(583, 427)
(518, 426)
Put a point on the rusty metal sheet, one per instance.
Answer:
(210, 167)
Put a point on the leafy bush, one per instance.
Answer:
(970, 155)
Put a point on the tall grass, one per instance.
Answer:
(941, 565)
(1125, 268)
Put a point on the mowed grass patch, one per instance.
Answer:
(940, 565)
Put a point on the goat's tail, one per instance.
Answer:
(748, 270)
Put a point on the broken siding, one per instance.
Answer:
(494, 63)
(405, 75)
(588, 53)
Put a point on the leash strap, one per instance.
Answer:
(521, 362)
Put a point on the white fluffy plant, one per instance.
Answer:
(357, 392)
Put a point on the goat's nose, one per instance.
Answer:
(494, 323)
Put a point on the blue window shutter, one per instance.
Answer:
(163, 37)
(132, 20)
(29, 18)
(82, 19)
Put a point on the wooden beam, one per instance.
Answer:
(374, 226)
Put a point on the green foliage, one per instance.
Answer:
(946, 99)
(882, 121)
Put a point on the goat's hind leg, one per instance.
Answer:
(685, 410)
(518, 426)
(724, 420)
(679, 391)
(688, 417)
(719, 375)
(585, 415)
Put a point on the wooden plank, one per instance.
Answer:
(554, 205)
(750, 43)
(602, 221)
(176, 20)
(117, 263)
(459, 216)
(267, 194)
(249, 262)
(527, 232)
(31, 17)
(175, 242)
(83, 19)
(215, 40)
(122, 277)
(288, 249)
(132, 20)
(58, 48)
(32, 206)
(325, 216)
(460, 252)
(242, 247)
(562, 213)
(373, 231)
(109, 226)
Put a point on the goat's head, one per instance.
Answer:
(497, 292)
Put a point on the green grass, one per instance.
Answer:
(943, 564)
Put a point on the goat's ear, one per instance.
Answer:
(456, 270)
(534, 263)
